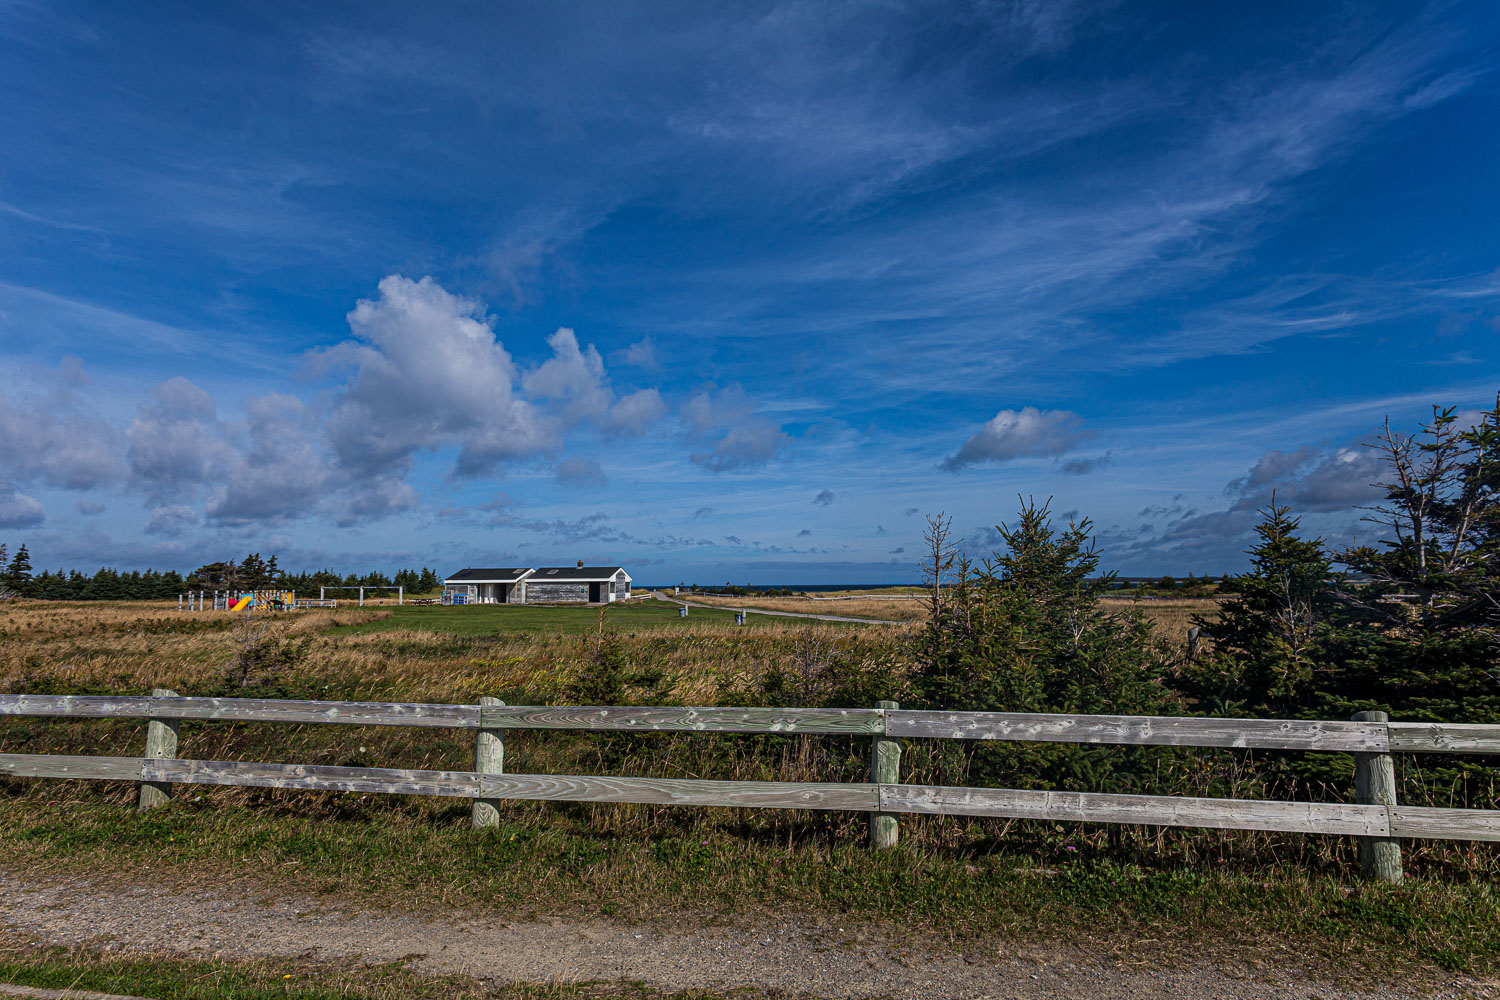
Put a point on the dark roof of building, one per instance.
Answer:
(509, 575)
(575, 574)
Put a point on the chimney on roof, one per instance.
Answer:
(580, 564)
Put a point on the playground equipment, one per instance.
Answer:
(232, 600)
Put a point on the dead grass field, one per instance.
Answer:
(873, 606)
(135, 646)
(1171, 616)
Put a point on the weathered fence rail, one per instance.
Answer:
(1376, 818)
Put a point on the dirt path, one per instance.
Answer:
(234, 923)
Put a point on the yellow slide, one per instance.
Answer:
(243, 601)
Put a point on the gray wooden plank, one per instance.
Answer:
(564, 788)
(361, 713)
(1444, 737)
(1445, 824)
(855, 721)
(44, 765)
(684, 791)
(1280, 734)
(314, 777)
(1151, 810)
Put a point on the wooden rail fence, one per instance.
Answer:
(1375, 817)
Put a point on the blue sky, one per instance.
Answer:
(727, 291)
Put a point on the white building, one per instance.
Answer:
(486, 586)
(578, 584)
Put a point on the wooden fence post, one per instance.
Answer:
(1375, 785)
(885, 769)
(489, 758)
(161, 744)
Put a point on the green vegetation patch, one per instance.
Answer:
(572, 860)
(488, 619)
(171, 978)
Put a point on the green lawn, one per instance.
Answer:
(487, 619)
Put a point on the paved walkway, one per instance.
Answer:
(778, 614)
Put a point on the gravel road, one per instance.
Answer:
(237, 922)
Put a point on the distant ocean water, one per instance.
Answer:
(811, 588)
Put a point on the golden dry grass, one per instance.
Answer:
(887, 608)
(131, 647)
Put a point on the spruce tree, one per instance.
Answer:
(18, 572)
(1267, 634)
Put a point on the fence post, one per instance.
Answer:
(885, 769)
(489, 758)
(161, 744)
(1375, 785)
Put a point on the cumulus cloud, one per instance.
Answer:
(746, 447)
(279, 470)
(573, 376)
(88, 508)
(573, 380)
(634, 414)
(428, 371)
(731, 433)
(375, 499)
(17, 510)
(824, 498)
(175, 442)
(422, 372)
(641, 354)
(1311, 479)
(49, 434)
(171, 521)
(1023, 433)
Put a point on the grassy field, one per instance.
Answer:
(168, 976)
(482, 619)
(856, 607)
(1172, 616)
(970, 877)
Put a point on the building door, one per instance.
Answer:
(593, 593)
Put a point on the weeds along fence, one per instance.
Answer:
(1375, 817)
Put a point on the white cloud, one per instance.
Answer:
(641, 354)
(17, 510)
(428, 371)
(1023, 433)
(746, 446)
(175, 443)
(50, 434)
(634, 414)
(171, 521)
(735, 435)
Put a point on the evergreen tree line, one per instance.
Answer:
(251, 573)
(1410, 625)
